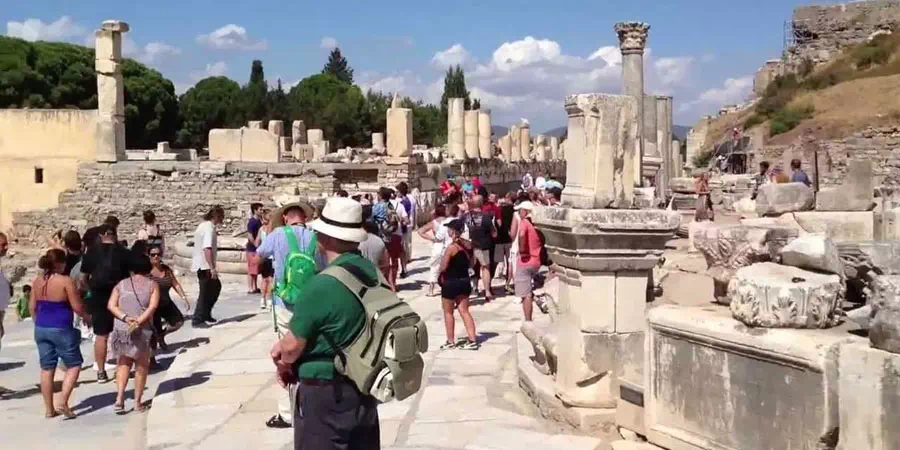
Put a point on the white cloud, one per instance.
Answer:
(231, 37)
(62, 29)
(673, 70)
(515, 54)
(215, 69)
(328, 43)
(610, 54)
(455, 55)
(733, 90)
(151, 53)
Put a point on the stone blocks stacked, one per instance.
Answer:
(110, 91)
(399, 132)
(456, 128)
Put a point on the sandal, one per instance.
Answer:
(67, 413)
(140, 408)
(448, 346)
(277, 421)
(51, 415)
(119, 408)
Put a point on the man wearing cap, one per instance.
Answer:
(276, 246)
(529, 262)
(329, 411)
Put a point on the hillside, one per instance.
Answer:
(857, 89)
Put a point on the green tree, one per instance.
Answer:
(254, 105)
(339, 109)
(337, 67)
(428, 129)
(476, 104)
(454, 87)
(377, 104)
(59, 75)
(213, 102)
(279, 108)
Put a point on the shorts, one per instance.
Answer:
(483, 257)
(524, 280)
(266, 269)
(501, 251)
(169, 312)
(101, 319)
(455, 288)
(395, 247)
(407, 246)
(252, 264)
(56, 344)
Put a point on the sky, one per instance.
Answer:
(521, 57)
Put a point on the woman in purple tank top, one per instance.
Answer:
(53, 303)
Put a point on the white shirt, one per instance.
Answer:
(4, 292)
(540, 182)
(412, 213)
(204, 237)
(401, 214)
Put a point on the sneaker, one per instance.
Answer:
(448, 346)
(102, 378)
(262, 304)
(277, 421)
(210, 321)
(469, 345)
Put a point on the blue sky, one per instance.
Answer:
(521, 57)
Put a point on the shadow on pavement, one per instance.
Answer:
(486, 336)
(11, 366)
(417, 271)
(177, 384)
(411, 286)
(100, 401)
(238, 318)
(19, 395)
(190, 343)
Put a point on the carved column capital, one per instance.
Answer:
(632, 36)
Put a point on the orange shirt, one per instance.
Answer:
(529, 245)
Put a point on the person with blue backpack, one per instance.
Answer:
(289, 243)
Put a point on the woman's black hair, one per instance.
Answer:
(139, 263)
(48, 262)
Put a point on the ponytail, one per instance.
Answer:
(49, 260)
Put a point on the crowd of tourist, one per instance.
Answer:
(95, 286)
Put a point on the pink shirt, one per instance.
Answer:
(529, 245)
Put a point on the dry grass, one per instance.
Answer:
(722, 125)
(848, 107)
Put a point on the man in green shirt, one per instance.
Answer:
(329, 411)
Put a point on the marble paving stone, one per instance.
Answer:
(499, 438)
(216, 396)
(237, 366)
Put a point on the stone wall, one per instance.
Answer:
(881, 146)
(821, 31)
(50, 142)
(181, 192)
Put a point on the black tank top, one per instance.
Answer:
(458, 267)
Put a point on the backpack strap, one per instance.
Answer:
(350, 280)
(291, 239)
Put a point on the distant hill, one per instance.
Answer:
(558, 131)
(499, 131)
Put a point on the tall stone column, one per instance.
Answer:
(110, 91)
(471, 129)
(484, 134)
(677, 160)
(554, 148)
(632, 41)
(456, 127)
(664, 142)
(505, 151)
(541, 148)
(378, 141)
(599, 151)
(525, 143)
(298, 132)
(515, 150)
(399, 130)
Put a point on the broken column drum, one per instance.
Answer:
(471, 133)
(110, 91)
(484, 134)
(456, 128)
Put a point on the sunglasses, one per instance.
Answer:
(155, 255)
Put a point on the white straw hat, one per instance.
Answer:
(528, 206)
(341, 219)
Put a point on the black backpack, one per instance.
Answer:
(109, 270)
(545, 256)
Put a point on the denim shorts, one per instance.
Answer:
(56, 344)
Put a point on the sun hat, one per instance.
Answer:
(342, 218)
(278, 214)
(528, 206)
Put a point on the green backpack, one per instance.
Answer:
(385, 359)
(299, 266)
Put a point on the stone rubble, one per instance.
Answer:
(813, 252)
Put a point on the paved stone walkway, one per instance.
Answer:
(219, 390)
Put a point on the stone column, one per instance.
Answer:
(505, 148)
(554, 148)
(632, 40)
(378, 141)
(456, 127)
(664, 143)
(298, 132)
(471, 130)
(515, 150)
(525, 143)
(315, 136)
(276, 127)
(677, 161)
(255, 124)
(541, 148)
(484, 134)
(110, 91)
(399, 130)
(599, 151)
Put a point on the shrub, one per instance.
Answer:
(703, 158)
(788, 118)
(806, 67)
(876, 52)
(753, 120)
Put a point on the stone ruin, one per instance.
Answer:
(758, 349)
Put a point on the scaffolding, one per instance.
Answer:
(796, 32)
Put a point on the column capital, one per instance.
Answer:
(632, 36)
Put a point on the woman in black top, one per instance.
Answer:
(456, 287)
